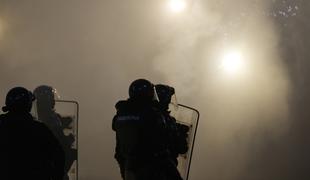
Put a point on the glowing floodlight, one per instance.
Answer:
(232, 62)
(177, 5)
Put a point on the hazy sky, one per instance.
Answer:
(254, 122)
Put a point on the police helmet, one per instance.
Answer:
(141, 89)
(18, 99)
(45, 95)
(45, 91)
(164, 93)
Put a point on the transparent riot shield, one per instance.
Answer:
(62, 120)
(69, 112)
(190, 117)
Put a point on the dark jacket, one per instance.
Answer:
(57, 124)
(140, 133)
(177, 135)
(28, 149)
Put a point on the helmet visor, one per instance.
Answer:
(155, 97)
(173, 105)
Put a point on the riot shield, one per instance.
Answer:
(190, 117)
(69, 112)
(63, 122)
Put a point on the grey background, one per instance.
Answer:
(254, 124)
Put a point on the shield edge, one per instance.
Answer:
(194, 138)
(77, 131)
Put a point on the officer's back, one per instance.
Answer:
(139, 125)
(28, 148)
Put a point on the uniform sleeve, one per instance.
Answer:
(114, 123)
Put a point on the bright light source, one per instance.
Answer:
(177, 5)
(232, 62)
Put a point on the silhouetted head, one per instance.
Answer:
(164, 93)
(45, 96)
(18, 99)
(141, 89)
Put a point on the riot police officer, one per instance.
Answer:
(45, 107)
(176, 132)
(29, 150)
(141, 148)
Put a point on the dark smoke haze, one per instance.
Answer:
(254, 124)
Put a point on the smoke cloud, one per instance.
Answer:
(90, 51)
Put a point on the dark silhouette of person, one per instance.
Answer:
(141, 149)
(28, 149)
(177, 133)
(45, 106)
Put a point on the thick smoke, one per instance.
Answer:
(241, 116)
(90, 51)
